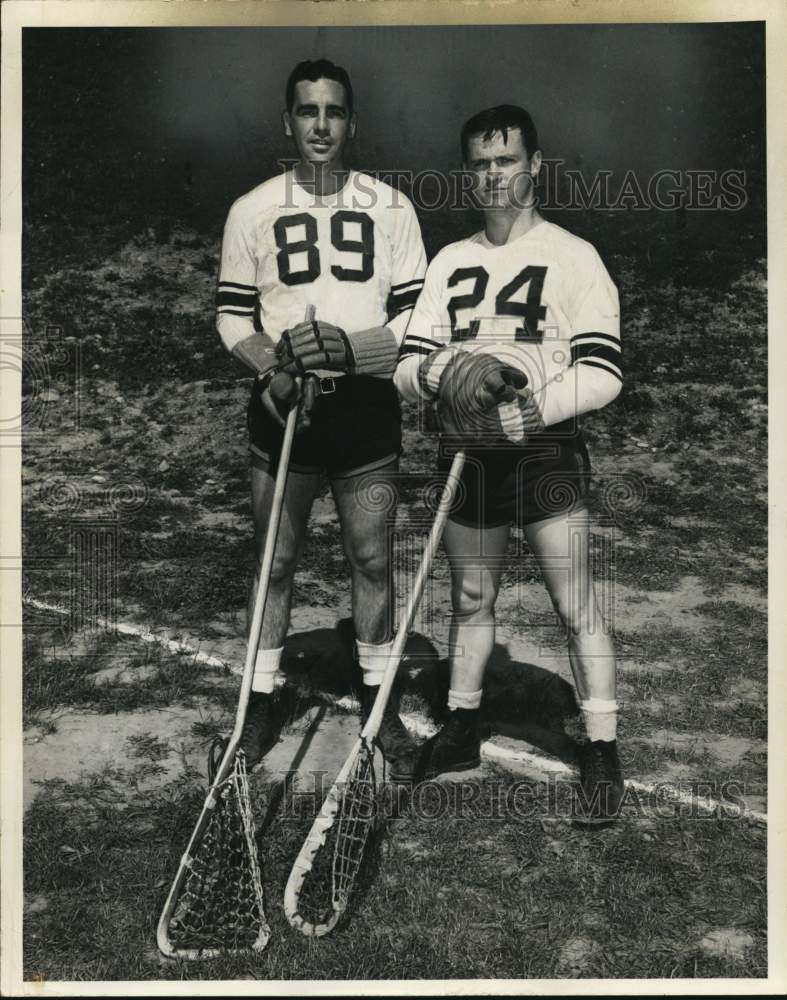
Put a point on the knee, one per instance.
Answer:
(283, 569)
(471, 599)
(370, 560)
(286, 555)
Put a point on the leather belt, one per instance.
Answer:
(327, 385)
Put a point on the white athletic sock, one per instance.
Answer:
(600, 717)
(266, 666)
(464, 699)
(373, 658)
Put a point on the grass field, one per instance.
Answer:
(154, 460)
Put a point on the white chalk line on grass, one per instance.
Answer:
(420, 726)
(137, 631)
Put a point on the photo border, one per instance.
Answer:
(17, 14)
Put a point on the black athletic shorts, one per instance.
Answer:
(548, 477)
(356, 428)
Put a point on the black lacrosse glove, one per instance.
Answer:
(313, 345)
(281, 392)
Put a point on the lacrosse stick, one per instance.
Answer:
(350, 805)
(215, 906)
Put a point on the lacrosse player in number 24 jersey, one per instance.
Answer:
(515, 336)
(322, 236)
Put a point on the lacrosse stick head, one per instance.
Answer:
(327, 868)
(215, 906)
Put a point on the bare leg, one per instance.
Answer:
(298, 498)
(366, 518)
(476, 560)
(562, 547)
(366, 535)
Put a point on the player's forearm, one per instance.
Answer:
(420, 370)
(233, 329)
(581, 389)
(418, 354)
(406, 378)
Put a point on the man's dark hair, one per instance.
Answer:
(318, 69)
(500, 119)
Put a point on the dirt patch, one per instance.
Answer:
(304, 618)
(323, 511)
(726, 942)
(662, 607)
(315, 753)
(575, 955)
(728, 750)
(412, 848)
(747, 690)
(124, 674)
(86, 743)
(595, 920)
(224, 521)
(36, 903)
(153, 747)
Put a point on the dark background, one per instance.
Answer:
(128, 128)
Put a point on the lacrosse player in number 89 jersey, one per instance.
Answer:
(514, 337)
(324, 237)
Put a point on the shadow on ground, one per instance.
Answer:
(521, 700)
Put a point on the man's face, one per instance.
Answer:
(504, 174)
(319, 121)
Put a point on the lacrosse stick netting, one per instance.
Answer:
(357, 814)
(333, 851)
(220, 906)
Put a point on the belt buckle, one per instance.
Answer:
(327, 385)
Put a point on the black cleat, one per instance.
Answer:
(395, 742)
(600, 794)
(457, 747)
(260, 730)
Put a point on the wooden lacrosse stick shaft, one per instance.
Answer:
(269, 551)
(372, 726)
(263, 586)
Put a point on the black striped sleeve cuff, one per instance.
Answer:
(233, 299)
(403, 296)
(418, 345)
(597, 350)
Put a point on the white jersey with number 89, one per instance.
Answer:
(356, 256)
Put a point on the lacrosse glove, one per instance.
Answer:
(314, 345)
(480, 397)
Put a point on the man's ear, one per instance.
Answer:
(353, 125)
(535, 164)
(285, 118)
